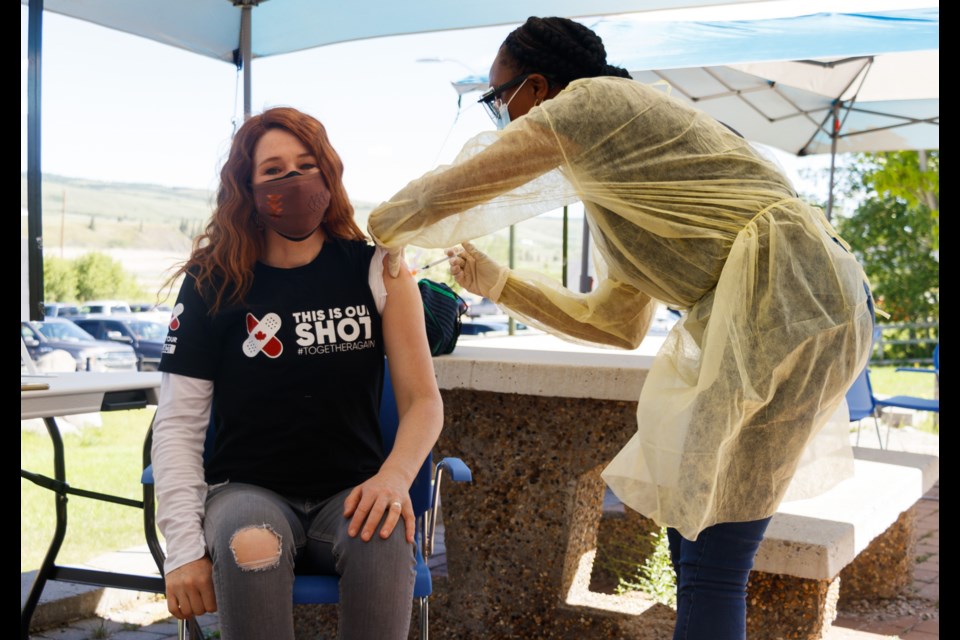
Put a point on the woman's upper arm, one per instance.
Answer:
(408, 354)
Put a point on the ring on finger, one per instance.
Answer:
(396, 504)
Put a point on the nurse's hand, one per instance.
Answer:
(395, 260)
(477, 273)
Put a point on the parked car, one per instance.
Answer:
(91, 354)
(145, 336)
(106, 307)
(484, 307)
(149, 307)
(57, 309)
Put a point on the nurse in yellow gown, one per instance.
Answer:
(683, 211)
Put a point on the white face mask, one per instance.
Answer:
(504, 109)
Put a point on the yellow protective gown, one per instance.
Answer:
(683, 211)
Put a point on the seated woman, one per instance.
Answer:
(280, 332)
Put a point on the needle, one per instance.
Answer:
(414, 272)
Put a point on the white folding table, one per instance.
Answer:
(48, 396)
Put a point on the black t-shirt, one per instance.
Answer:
(297, 372)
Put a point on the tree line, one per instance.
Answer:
(894, 230)
(91, 276)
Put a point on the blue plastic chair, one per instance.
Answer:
(862, 404)
(325, 589)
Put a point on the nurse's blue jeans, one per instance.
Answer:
(712, 576)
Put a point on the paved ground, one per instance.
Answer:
(913, 616)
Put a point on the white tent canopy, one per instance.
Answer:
(879, 89)
(635, 43)
(785, 81)
(820, 83)
(791, 105)
(212, 27)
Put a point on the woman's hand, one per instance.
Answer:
(190, 589)
(385, 493)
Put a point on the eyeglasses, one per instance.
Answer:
(491, 97)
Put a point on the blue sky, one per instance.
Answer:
(121, 108)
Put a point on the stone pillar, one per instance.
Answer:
(885, 568)
(790, 608)
(515, 538)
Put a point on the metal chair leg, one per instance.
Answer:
(424, 619)
(189, 629)
(876, 424)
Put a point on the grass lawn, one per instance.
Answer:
(105, 459)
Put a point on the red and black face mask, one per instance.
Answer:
(293, 205)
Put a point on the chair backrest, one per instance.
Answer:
(420, 491)
(860, 398)
(862, 403)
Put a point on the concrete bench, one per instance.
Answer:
(852, 542)
(538, 420)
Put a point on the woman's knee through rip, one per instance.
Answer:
(253, 524)
(256, 548)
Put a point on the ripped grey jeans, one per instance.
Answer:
(259, 539)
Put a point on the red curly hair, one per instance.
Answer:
(224, 255)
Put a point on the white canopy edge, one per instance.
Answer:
(211, 27)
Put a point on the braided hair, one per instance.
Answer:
(560, 49)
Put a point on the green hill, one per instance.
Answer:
(147, 202)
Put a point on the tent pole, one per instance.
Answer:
(585, 257)
(246, 38)
(833, 156)
(566, 247)
(511, 262)
(34, 200)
